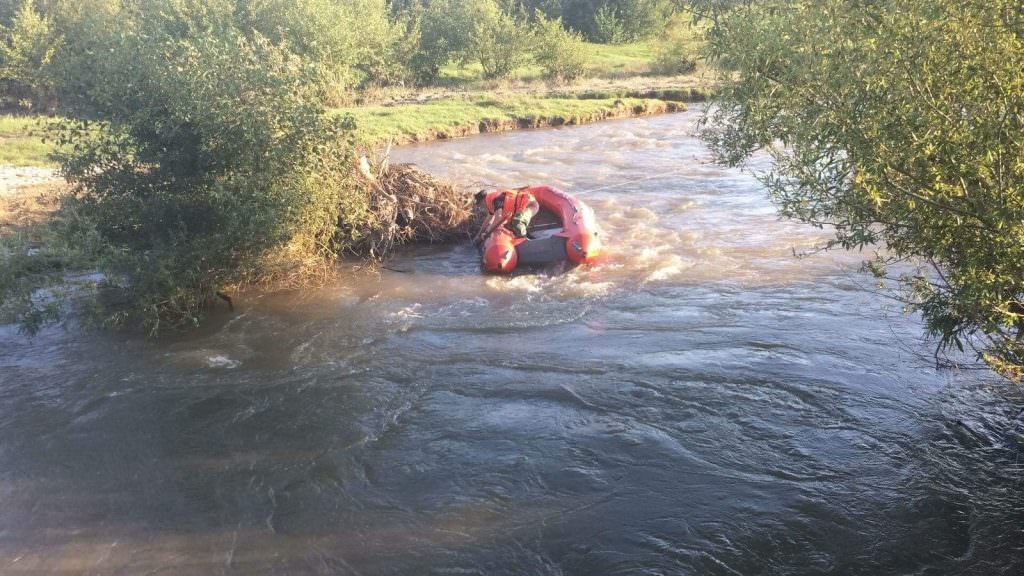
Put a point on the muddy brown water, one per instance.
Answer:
(699, 403)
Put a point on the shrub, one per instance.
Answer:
(672, 53)
(644, 18)
(445, 28)
(384, 46)
(560, 52)
(608, 27)
(621, 21)
(213, 165)
(499, 42)
(26, 48)
(320, 31)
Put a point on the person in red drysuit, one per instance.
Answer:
(513, 208)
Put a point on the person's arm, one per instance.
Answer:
(487, 227)
(533, 207)
(496, 220)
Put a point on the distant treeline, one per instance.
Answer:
(46, 44)
(602, 21)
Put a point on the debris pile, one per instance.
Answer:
(410, 206)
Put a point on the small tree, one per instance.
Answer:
(498, 41)
(560, 52)
(620, 21)
(445, 28)
(673, 53)
(323, 32)
(608, 27)
(384, 46)
(212, 164)
(26, 49)
(900, 126)
(644, 18)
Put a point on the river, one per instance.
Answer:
(701, 402)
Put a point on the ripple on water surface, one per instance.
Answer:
(700, 402)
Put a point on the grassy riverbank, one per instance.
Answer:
(21, 141)
(452, 118)
(619, 82)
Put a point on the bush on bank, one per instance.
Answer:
(673, 52)
(211, 163)
(498, 41)
(561, 53)
(445, 27)
(902, 127)
(26, 49)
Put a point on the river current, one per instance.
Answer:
(701, 402)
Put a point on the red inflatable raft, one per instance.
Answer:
(564, 230)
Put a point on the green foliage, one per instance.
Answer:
(902, 127)
(356, 42)
(353, 43)
(88, 31)
(26, 48)
(319, 31)
(497, 41)
(622, 21)
(608, 27)
(673, 53)
(445, 28)
(385, 45)
(561, 53)
(606, 21)
(212, 158)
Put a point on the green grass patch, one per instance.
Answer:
(614, 60)
(451, 117)
(21, 141)
(21, 137)
(25, 151)
(605, 61)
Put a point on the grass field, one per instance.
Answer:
(21, 142)
(611, 61)
(458, 116)
(463, 101)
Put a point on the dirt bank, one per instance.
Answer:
(27, 197)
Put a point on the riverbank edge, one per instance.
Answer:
(27, 193)
(514, 123)
(22, 137)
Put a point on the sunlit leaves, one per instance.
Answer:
(213, 152)
(901, 125)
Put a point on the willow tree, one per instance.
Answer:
(900, 126)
